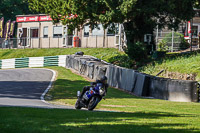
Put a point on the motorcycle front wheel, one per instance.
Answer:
(93, 102)
(77, 104)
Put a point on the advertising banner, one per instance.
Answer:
(45, 18)
(189, 27)
(28, 19)
(1, 27)
(12, 28)
(7, 29)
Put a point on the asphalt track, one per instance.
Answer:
(24, 88)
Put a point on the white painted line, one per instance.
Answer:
(49, 86)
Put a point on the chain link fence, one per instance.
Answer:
(170, 41)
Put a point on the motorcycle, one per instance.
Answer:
(91, 98)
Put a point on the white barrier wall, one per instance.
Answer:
(62, 60)
(8, 63)
(36, 61)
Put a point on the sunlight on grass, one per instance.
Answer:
(101, 53)
(186, 64)
(67, 84)
(124, 113)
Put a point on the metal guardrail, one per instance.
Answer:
(21, 62)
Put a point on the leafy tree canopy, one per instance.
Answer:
(10, 8)
(162, 12)
(139, 17)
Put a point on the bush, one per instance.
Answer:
(137, 51)
(122, 60)
(162, 46)
(184, 45)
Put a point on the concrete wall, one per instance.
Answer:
(130, 80)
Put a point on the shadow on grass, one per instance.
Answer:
(59, 120)
(67, 89)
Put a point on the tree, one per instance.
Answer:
(139, 17)
(10, 8)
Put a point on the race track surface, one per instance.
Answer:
(24, 87)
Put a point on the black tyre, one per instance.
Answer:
(77, 104)
(93, 103)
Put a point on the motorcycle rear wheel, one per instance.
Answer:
(93, 103)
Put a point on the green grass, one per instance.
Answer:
(178, 115)
(133, 114)
(101, 53)
(186, 64)
(110, 55)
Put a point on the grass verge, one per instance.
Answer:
(111, 55)
(135, 114)
(67, 84)
(182, 63)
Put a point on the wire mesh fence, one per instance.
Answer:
(170, 41)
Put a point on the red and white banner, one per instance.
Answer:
(33, 18)
(40, 18)
(45, 18)
(27, 19)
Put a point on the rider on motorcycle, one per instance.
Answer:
(103, 81)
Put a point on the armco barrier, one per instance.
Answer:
(138, 83)
(124, 78)
(130, 79)
(36, 61)
(51, 61)
(21, 62)
(8, 63)
(99, 71)
(180, 90)
(118, 77)
(62, 60)
(159, 88)
(76, 64)
(68, 61)
(90, 69)
(109, 74)
(115, 77)
(33, 62)
(141, 84)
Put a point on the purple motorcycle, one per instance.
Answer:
(92, 97)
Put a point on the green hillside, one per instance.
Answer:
(188, 63)
(110, 55)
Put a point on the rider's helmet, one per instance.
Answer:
(104, 79)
